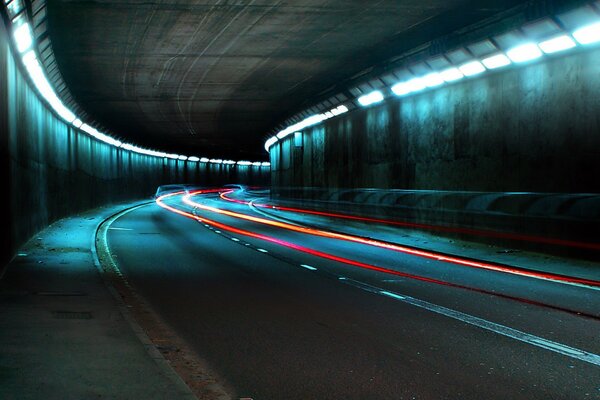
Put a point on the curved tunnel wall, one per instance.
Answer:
(52, 170)
(534, 128)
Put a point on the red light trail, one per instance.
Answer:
(439, 228)
(347, 261)
(394, 247)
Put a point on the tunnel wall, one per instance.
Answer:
(532, 128)
(52, 170)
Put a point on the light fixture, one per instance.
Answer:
(433, 79)
(257, 164)
(193, 159)
(204, 160)
(401, 89)
(182, 158)
(372, 98)
(588, 34)
(496, 61)
(472, 68)
(525, 52)
(451, 75)
(557, 44)
(23, 37)
(265, 164)
(416, 84)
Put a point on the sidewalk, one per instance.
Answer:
(63, 335)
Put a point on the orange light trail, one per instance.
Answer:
(393, 247)
(228, 228)
(439, 228)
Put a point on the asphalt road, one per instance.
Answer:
(279, 321)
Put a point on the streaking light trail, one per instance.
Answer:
(390, 246)
(161, 202)
(439, 228)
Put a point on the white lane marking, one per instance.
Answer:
(262, 250)
(308, 267)
(119, 229)
(235, 239)
(393, 295)
(528, 338)
(217, 231)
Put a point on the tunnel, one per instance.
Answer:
(296, 199)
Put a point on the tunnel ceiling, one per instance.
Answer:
(214, 77)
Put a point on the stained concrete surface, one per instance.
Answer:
(528, 128)
(216, 76)
(62, 335)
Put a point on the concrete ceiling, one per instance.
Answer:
(213, 77)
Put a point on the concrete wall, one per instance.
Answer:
(51, 170)
(534, 128)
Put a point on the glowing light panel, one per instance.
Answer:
(451, 75)
(496, 61)
(23, 37)
(525, 52)
(588, 34)
(371, 98)
(557, 44)
(472, 68)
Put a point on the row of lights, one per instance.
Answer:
(23, 38)
(305, 123)
(520, 54)
(523, 53)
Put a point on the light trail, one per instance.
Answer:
(347, 261)
(439, 228)
(394, 247)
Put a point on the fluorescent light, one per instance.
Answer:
(216, 161)
(371, 98)
(23, 37)
(34, 69)
(341, 109)
(472, 68)
(245, 163)
(100, 136)
(193, 159)
(77, 123)
(588, 34)
(310, 121)
(265, 164)
(270, 142)
(182, 158)
(328, 114)
(257, 163)
(172, 156)
(416, 84)
(401, 89)
(204, 160)
(496, 61)
(451, 74)
(525, 52)
(433, 79)
(557, 44)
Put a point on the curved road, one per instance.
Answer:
(286, 313)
